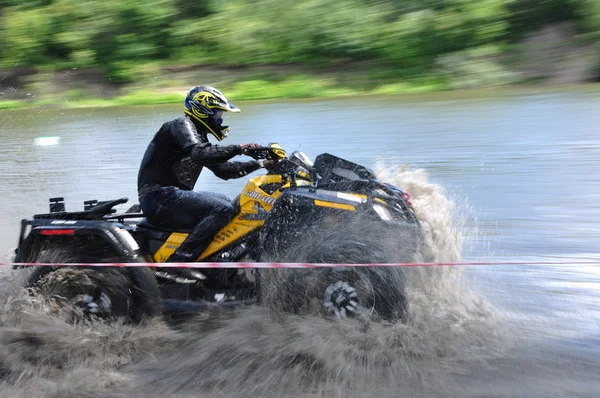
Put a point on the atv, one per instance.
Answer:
(330, 211)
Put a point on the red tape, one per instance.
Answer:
(298, 265)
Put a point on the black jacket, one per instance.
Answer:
(178, 152)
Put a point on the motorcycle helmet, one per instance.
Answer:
(206, 105)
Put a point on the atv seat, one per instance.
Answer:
(145, 224)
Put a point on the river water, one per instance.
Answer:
(505, 176)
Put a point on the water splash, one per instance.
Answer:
(441, 230)
(260, 352)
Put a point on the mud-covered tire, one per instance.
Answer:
(380, 291)
(146, 293)
(130, 294)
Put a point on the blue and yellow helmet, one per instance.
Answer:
(206, 105)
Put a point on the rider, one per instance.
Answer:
(172, 164)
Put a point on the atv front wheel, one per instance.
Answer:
(343, 291)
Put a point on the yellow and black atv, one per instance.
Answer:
(332, 211)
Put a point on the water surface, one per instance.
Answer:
(517, 173)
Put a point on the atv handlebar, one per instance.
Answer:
(275, 152)
(258, 153)
(270, 152)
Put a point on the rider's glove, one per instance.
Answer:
(246, 148)
(265, 163)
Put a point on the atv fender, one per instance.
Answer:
(114, 241)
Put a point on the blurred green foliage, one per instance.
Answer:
(411, 37)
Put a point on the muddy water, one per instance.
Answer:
(507, 177)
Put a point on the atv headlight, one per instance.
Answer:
(383, 212)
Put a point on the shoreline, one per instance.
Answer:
(67, 89)
(177, 99)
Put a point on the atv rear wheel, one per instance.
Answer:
(130, 294)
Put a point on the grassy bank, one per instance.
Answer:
(57, 91)
(155, 83)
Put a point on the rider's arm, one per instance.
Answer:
(203, 153)
(229, 170)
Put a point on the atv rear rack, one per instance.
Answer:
(93, 210)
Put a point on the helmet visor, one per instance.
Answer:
(218, 116)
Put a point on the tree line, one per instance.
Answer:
(409, 35)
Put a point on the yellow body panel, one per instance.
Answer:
(171, 244)
(334, 205)
(252, 201)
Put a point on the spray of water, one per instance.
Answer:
(267, 351)
(442, 239)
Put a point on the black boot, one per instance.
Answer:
(215, 278)
(195, 244)
(191, 274)
(181, 257)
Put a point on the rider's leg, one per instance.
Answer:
(169, 207)
(220, 211)
(209, 212)
(203, 212)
